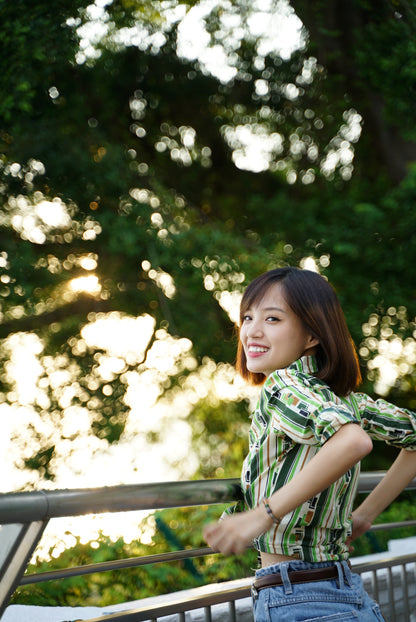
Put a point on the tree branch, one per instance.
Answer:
(81, 307)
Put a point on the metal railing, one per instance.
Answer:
(24, 516)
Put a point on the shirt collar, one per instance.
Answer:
(306, 364)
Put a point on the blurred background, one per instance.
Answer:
(155, 156)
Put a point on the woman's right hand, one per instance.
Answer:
(235, 533)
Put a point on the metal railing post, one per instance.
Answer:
(20, 547)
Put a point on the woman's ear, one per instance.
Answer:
(312, 341)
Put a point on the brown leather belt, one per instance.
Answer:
(297, 576)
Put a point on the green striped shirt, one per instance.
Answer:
(295, 415)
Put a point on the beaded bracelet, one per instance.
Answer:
(269, 511)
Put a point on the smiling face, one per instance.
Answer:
(272, 335)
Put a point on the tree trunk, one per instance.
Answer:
(337, 29)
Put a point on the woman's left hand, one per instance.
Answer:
(235, 533)
(360, 524)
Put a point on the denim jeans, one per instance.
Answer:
(336, 600)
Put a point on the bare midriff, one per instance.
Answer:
(269, 559)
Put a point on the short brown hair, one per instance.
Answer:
(316, 304)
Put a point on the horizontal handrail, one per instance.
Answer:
(381, 564)
(397, 525)
(116, 564)
(369, 480)
(36, 505)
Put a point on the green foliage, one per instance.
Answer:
(28, 41)
(392, 75)
(220, 437)
(176, 530)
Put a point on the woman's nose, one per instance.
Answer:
(254, 329)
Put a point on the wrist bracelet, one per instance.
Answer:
(269, 511)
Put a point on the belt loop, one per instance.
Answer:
(347, 572)
(287, 586)
(340, 575)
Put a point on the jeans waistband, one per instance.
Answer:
(283, 575)
(297, 576)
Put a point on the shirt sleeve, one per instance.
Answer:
(387, 422)
(307, 414)
(240, 506)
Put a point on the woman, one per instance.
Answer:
(308, 435)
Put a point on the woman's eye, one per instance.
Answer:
(272, 318)
(246, 318)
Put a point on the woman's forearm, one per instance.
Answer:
(339, 454)
(400, 474)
